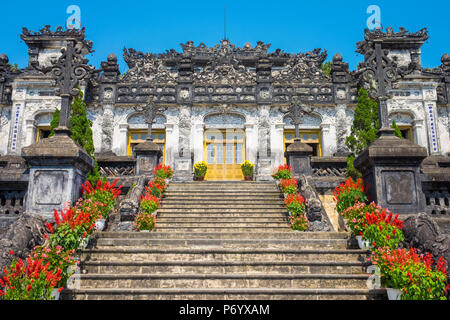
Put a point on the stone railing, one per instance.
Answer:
(13, 189)
(115, 166)
(329, 166)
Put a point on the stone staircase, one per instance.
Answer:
(222, 241)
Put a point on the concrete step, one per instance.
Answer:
(224, 294)
(223, 224)
(220, 206)
(221, 194)
(224, 235)
(219, 254)
(166, 218)
(224, 215)
(280, 244)
(222, 202)
(222, 198)
(223, 210)
(216, 229)
(198, 281)
(224, 267)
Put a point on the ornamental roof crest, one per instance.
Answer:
(146, 67)
(302, 66)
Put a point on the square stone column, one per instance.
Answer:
(277, 144)
(197, 141)
(391, 168)
(251, 143)
(120, 140)
(58, 167)
(147, 154)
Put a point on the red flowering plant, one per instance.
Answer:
(289, 186)
(298, 222)
(412, 273)
(145, 221)
(149, 203)
(295, 204)
(71, 227)
(283, 172)
(33, 280)
(162, 171)
(349, 193)
(58, 259)
(155, 188)
(104, 193)
(383, 229)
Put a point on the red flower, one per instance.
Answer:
(29, 287)
(11, 252)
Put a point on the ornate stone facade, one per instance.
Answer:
(224, 87)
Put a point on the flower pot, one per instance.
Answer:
(248, 178)
(100, 224)
(84, 242)
(55, 294)
(394, 294)
(363, 244)
(200, 178)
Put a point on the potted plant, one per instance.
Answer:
(247, 170)
(200, 169)
(349, 193)
(163, 172)
(149, 204)
(145, 222)
(383, 230)
(289, 186)
(298, 222)
(408, 275)
(30, 280)
(103, 197)
(282, 172)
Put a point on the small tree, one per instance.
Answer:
(81, 128)
(364, 129)
(397, 131)
(55, 122)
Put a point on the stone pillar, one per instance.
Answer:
(198, 142)
(298, 156)
(120, 141)
(328, 139)
(58, 167)
(171, 144)
(30, 131)
(147, 154)
(251, 143)
(277, 144)
(391, 168)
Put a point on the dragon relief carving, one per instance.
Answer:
(228, 70)
(303, 66)
(146, 67)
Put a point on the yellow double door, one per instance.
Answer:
(224, 151)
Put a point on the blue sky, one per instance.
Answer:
(293, 26)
